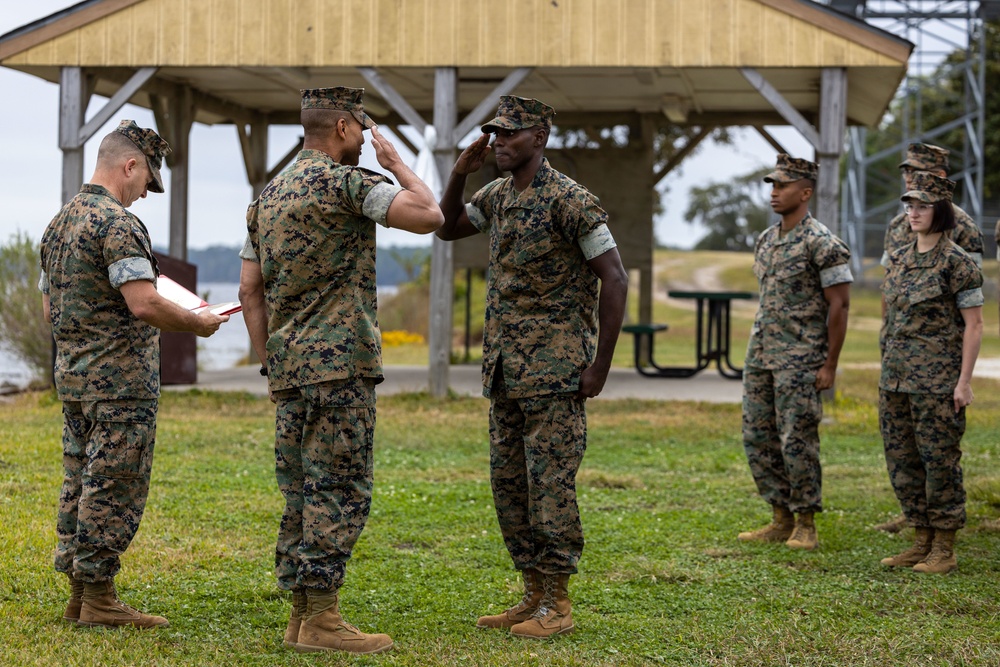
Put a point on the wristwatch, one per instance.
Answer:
(263, 371)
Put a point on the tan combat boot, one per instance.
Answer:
(299, 606)
(324, 629)
(941, 559)
(779, 530)
(921, 547)
(554, 615)
(102, 608)
(804, 534)
(523, 610)
(893, 525)
(72, 613)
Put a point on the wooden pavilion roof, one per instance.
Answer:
(589, 58)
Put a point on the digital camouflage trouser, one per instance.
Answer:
(922, 435)
(536, 447)
(324, 434)
(107, 461)
(781, 415)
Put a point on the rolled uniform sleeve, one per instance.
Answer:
(247, 252)
(482, 209)
(477, 218)
(831, 257)
(970, 298)
(127, 254)
(129, 269)
(377, 202)
(966, 282)
(597, 242)
(836, 275)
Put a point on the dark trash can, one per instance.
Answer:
(178, 350)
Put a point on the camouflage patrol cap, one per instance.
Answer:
(790, 169)
(518, 113)
(338, 98)
(151, 145)
(925, 157)
(929, 188)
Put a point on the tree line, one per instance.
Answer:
(221, 264)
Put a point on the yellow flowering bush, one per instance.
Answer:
(398, 337)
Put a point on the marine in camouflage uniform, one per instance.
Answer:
(934, 298)
(309, 294)
(542, 354)
(792, 354)
(107, 365)
(967, 234)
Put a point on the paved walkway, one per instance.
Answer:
(707, 386)
(465, 380)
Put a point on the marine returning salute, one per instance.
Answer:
(548, 341)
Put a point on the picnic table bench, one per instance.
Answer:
(712, 337)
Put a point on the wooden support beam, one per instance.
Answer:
(832, 128)
(180, 121)
(72, 106)
(781, 105)
(258, 155)
(285, 159)
(117, 101)
(253, 144)
(160, 106)
(769, 138)
(402, 138)
(488, 105)
(679, 156)
(202, 100)
(442, 255)
(397, 101)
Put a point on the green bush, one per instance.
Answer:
(23, 329)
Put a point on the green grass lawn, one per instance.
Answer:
(674, 347)
(663, 491)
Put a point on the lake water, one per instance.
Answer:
(224, 349)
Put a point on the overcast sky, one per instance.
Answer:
(31, 163)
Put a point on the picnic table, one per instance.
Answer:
(712, 337)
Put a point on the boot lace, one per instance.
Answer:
(122, 605)
(936, 555)
(547, 599)
(799, 534)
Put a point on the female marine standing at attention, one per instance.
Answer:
(934, 325)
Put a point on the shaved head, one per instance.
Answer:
(117, 148)
(319, 122)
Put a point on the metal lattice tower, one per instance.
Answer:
(937, 28)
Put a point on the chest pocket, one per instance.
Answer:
(923, 291)
(535, 245)
(791, 282)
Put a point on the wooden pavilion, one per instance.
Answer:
(600, 63)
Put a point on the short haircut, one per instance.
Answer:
(116, 148)
(944, 217)
(322, 121)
